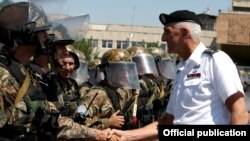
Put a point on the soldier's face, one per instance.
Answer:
(68, 65)
(61, 52)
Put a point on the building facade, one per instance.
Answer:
(105, 37)
(233, 32)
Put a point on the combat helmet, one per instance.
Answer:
(79, 53)
(135, 50)
(144, 61)
(119, 70)
(116, 55)
(81, 68)
(156, 51)
(19, 21)
(165, 65)
(95, 75)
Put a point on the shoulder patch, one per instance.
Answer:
(210, 51)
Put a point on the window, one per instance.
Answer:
(122, 44)
(151, 44)
(107, 43)
(137, 44)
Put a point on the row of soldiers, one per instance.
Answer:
(32, 69)
(45, 93)
(134, 83)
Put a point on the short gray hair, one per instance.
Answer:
(194, 29)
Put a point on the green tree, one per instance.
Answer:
(86, 47)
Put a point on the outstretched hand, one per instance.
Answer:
(103, 135)
(117, 135)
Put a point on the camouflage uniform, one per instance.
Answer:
(18, 111)
(68, 97)
(102, 107)
(151, 97)
(95, 76)
(107, 98)
(85, 88)
(19, 98)
(152, 89)
(67, 128)
(166, 70)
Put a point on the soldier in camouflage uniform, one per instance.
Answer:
(151, 87)
(107, 103)
(88, 75)
(166, 69)
(81, 74)
(68, 94)
(20, 98)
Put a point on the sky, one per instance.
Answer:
(136, 12)
(141, 12)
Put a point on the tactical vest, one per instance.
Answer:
(114, 96)
(71, 98)
(34, 100)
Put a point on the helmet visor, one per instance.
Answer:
(44, 11)
(69, 28)
(81, 74)
(145, 64)
(167, 68)
(95, 76)
(123, 75)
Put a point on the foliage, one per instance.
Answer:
(86, 47)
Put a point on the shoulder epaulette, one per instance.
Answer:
(210, 51)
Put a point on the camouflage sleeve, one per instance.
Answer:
(97, 122)
(99, 110)
(68, 129)
(84, 88)
(8, 91)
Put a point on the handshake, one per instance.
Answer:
(112, 135)
(148, 132)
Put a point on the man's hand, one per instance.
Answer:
(116, 120)
(117, 135)
(102, 135)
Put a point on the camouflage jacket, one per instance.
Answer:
(150, 90)
(68, 97)
(102, 107)
(67, 128)
(84, 88)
